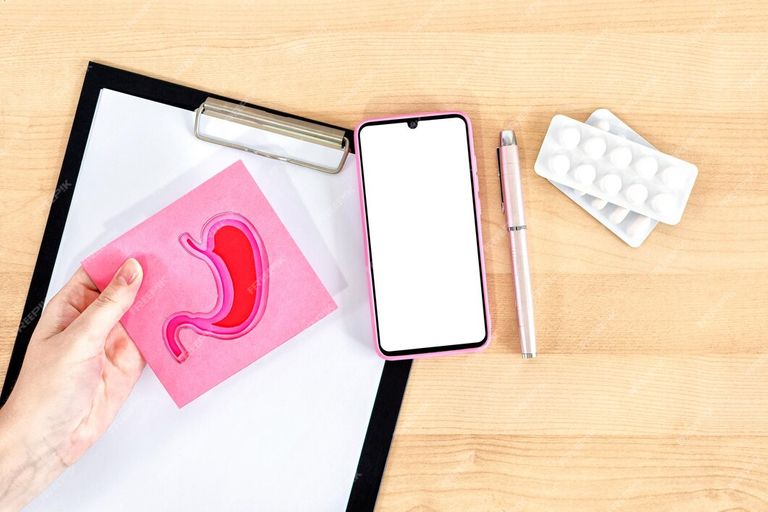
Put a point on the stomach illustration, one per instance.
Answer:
(235, 253)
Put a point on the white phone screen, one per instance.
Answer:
(422, 232)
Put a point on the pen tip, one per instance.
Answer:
(508, 138)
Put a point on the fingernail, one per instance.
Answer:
(128, 272)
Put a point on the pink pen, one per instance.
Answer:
(512, 206)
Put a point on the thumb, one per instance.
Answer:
(101, 315)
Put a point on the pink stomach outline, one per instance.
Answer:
(210, 323)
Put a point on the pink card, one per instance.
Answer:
(224, 283)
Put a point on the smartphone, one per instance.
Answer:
(421, 222)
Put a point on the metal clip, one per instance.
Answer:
(282, 125)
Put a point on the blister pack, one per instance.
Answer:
(615, 169)
(633, 228)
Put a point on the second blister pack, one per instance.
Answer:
(615, 174)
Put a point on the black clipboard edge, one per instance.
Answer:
(378, 438)
(394, 378)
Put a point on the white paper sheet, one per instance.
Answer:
(286, 432)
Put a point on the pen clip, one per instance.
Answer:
(501, 180)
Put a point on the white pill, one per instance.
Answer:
(639, 225)
(559, 164)
(621, 157)
(673, 177)
(610, 183)
(618, 215)
(647, 167)
(598, 203)
(569, 137)
(585, 173)
(604, 125)
(594, 147)
(636, 193)
(663, 203)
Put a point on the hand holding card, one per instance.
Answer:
(224, 284)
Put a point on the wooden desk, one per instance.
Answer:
(651, 392)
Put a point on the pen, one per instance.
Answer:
(512, 206)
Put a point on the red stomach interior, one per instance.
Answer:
(234, 248)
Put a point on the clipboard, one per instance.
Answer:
(394, 375)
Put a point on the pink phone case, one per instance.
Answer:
(478, 211)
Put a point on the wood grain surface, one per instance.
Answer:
(651, 391)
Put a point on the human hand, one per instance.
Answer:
(79, 368)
